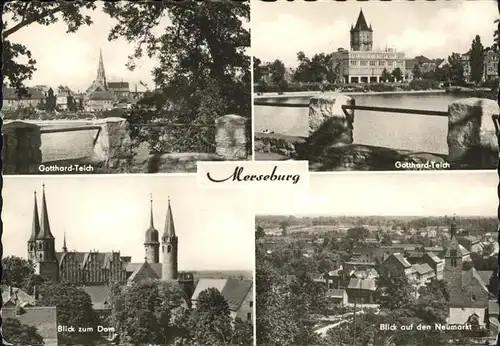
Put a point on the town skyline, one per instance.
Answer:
(71, 59)
(430, 30)
(117, 219)
(466, 194)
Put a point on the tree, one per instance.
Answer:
(259, 232)
(19, 15)
(203, 70)
(257, 73)
(20, 334)
(395, 291)
(210, 321)
(284, 224)
(71, 103)
(319, 69)
(277, 70)
(417, 72)
(74, 308)
(385, 76)
(17, 272)
(51, 101)
(242, 332)
(386, 240)
(143, 312)
(477, 60)
(456, 69)
(397, 74)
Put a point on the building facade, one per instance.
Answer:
(363, 64)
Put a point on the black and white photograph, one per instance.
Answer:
(124, 260)
(376, 86)
(125, 87)
(386, 259)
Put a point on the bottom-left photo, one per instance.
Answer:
(140, 260)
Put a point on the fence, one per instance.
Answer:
(473, 125)
(22, 153)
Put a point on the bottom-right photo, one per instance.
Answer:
(379, 259)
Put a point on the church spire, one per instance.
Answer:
(45, 232)
(151, 225)
(65, 249)
(169, 222)
(361, 24)
(101, 75)
(35, 228)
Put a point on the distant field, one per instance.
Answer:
(222, 274)
(309, 229)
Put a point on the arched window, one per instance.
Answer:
(169, 248)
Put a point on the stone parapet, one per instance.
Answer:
(21, 152)
(231, 137)
(472, 139)
(113, 144)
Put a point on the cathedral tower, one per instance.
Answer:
(361, 35)
(151, 244)
(169, 248)
(101, 75)
(453, 258)
(35, 229)
(45, 260)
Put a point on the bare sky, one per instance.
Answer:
(390, 194)
(434, 29)
(215, 226)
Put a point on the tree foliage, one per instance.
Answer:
(242, 332)
(203, 71)
(74, 308)
(477, 60)
(210, 321)
(17, 272)
(20, 334)
(318, 68)
(18, 15)
(456, 69)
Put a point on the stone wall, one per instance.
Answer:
(21, 152)
(472, 138)
(113, 145)
(231, 137)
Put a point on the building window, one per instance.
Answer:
(390, 63)
(381, 63)
(251, 303)
(354, 63)
(473, 298)
(364, 63)
(372, 63)
(249, 316)
(453, 262)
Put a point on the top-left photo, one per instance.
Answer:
(124, 87)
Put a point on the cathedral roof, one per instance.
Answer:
(361, 24)
(35, 228)
(82, 258)
(102, 96)
(45, 232)
(169, 230)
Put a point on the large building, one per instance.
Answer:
(363, 64)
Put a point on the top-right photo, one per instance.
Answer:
(376, 86)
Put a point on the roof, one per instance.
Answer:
(434, 257)
(454, 244)
(461, 315)
(485, 275)
(333, 293)
(44, 318)
(118, 85)
(362, 284)
(34, 94)
(423, 268)
(157, 267)
(401, 260)
(361, 24)
(83, 258)
(235, 292)
(169, 230)
(471, 277)
(204, 284)
(99, 296)
(102, 96)
(493, 308)
(18, 296)
(145, 271)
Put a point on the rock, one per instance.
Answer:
(472, 139)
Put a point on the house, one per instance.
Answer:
(472, 244)
(398, 265)
(62, 94)
(237, 292)
(100, 101)
(12, 101)
(493, 312)
(336, 297)
(43, 318)
(424, 273)
(361, 291)
(12, 296)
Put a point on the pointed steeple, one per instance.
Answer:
(169, 222)
(45, 232)
(35, 228)
(151, 225)
(65, 249)
(101, 75)
(361, 24)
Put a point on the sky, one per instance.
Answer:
(434, 29)
(464, 193)
(215, 226)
